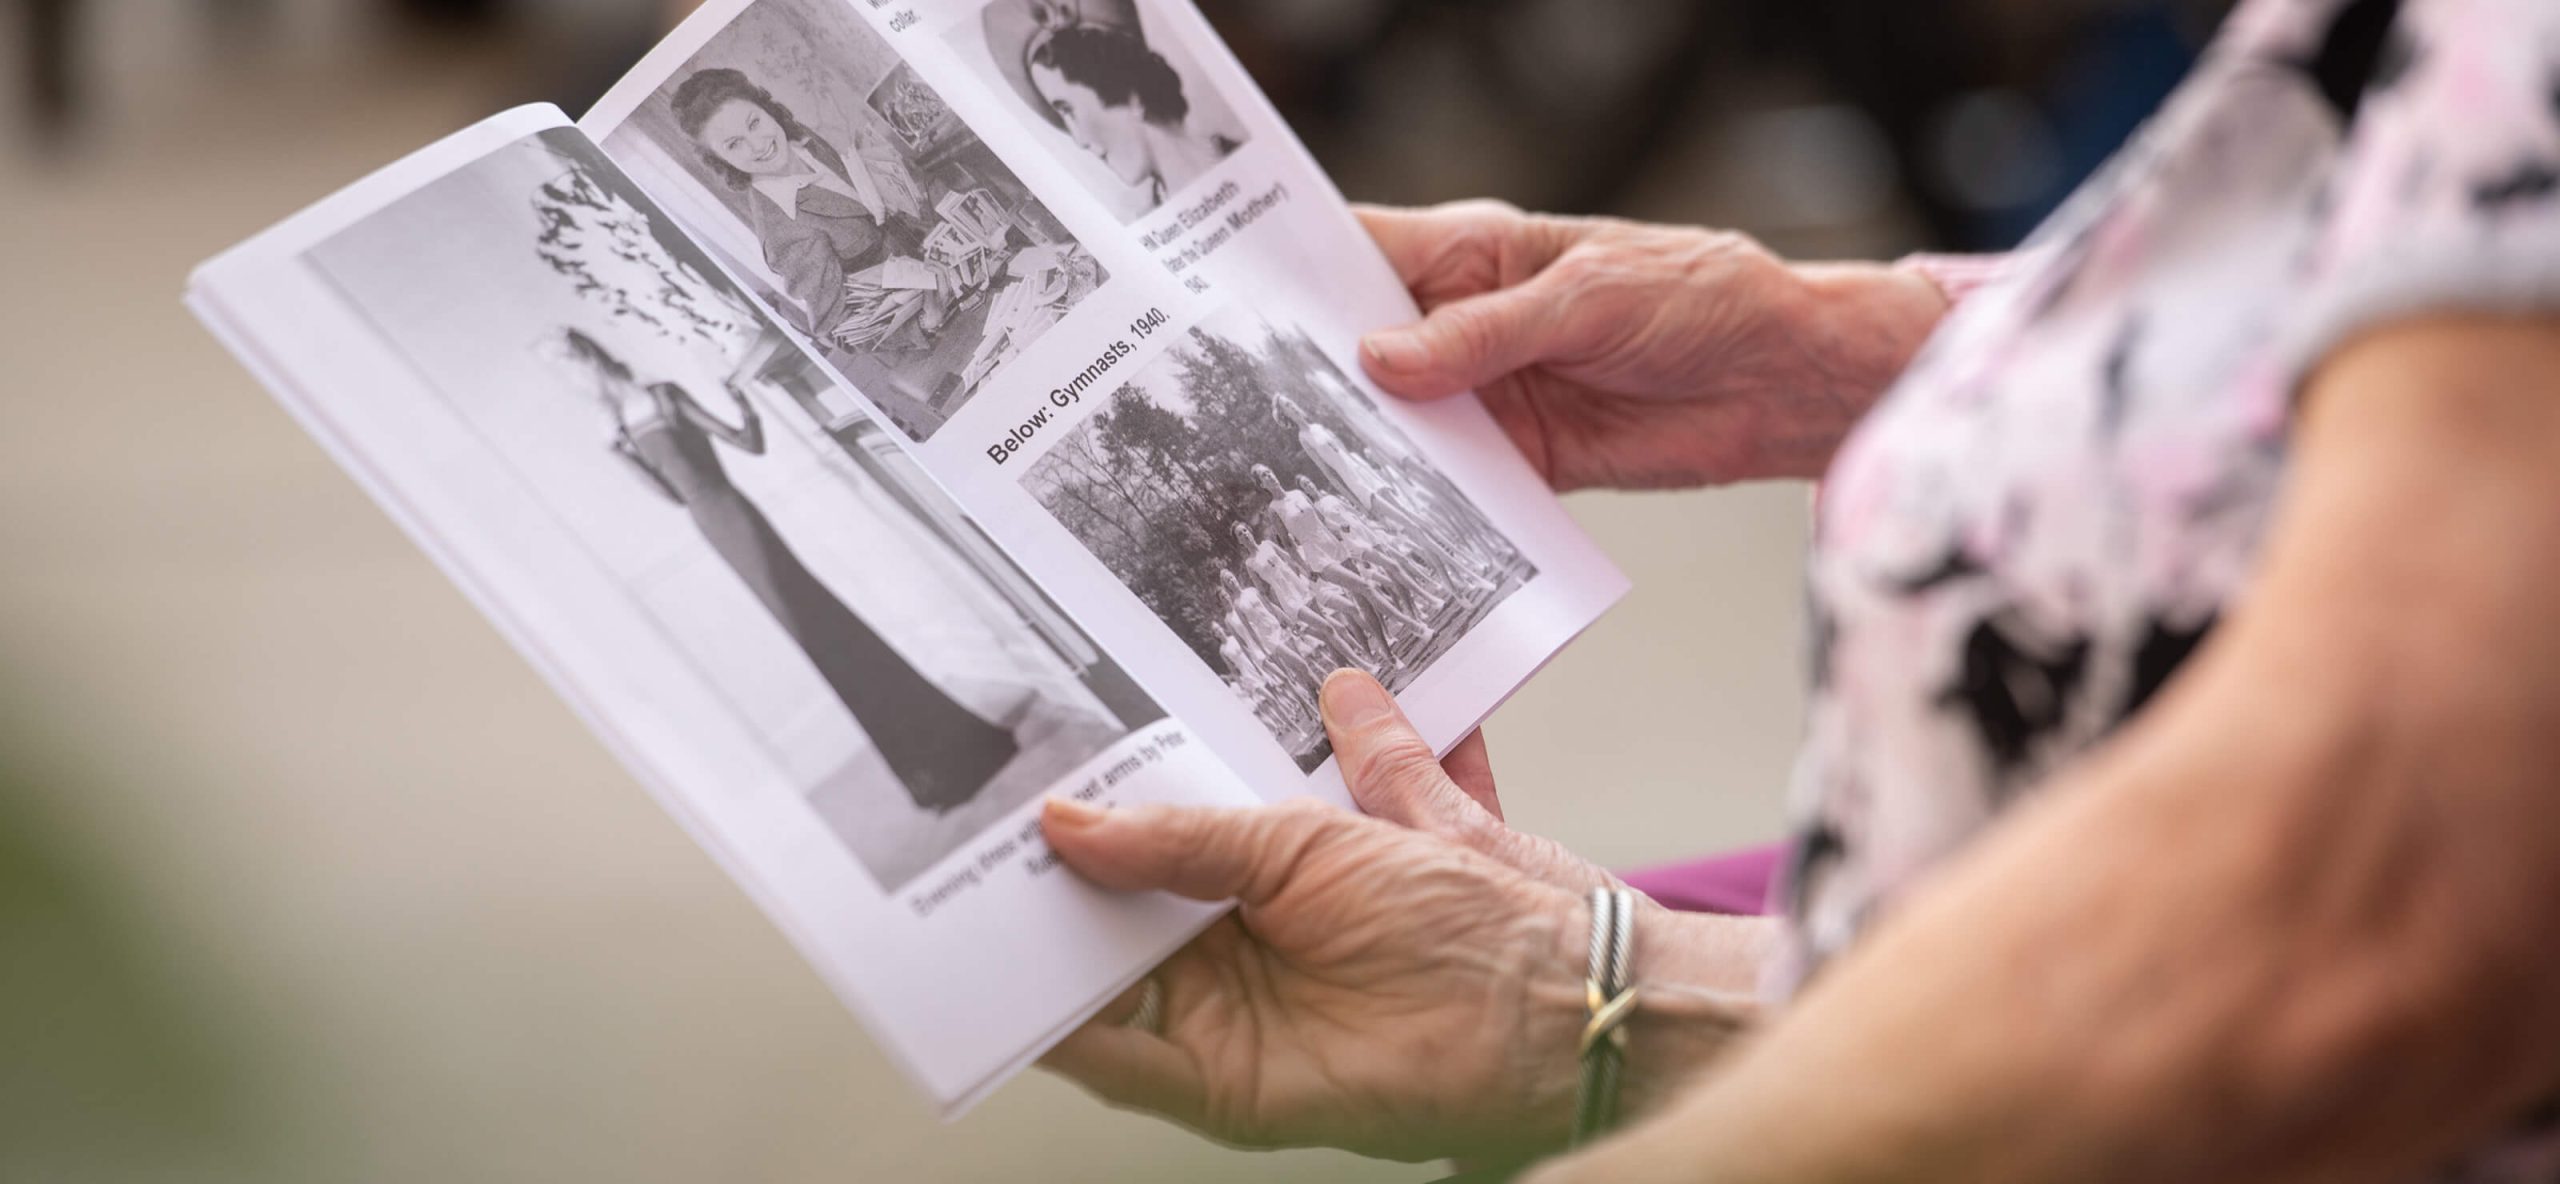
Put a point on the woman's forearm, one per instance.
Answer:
(1698, 976)
(2287, 926)
(2101, 992)
(1856, 327)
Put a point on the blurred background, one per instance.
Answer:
(305, 876)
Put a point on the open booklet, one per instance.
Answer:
(874, 419)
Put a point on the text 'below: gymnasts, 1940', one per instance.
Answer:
(1067, 394)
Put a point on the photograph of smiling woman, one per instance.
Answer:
(847, 237)
(1099, 89)
(859, 205)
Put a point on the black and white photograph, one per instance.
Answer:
(860, 206)
(1258, 502)
(909, 682)
(1123, 106)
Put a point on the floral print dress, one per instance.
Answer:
(2054, 506)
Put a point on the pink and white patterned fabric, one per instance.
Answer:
(2050, 511)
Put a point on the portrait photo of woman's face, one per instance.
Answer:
(746, 137)
(1113, 93)
(1115, 135)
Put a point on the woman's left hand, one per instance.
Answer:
(1406, 985)
(1378, 988)
(1392, 775)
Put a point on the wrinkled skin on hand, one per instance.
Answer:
(1402, 985)
(1377, 988)
(1392, 775)
(1639, 356)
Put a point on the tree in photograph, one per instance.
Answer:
(1160, 459)
(1110, 512)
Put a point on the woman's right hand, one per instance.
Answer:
(1640, 356)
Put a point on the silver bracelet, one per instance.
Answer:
(1608, 999)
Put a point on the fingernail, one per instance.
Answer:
(1355, 700)
(1398, 350)
(1072, 813)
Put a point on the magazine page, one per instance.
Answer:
(822, 666)
(1076, 259)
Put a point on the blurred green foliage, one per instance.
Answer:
(106, 1072)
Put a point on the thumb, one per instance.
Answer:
(1201, 852)
(1467, 343)
(1386, 765)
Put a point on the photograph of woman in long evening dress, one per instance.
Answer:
(872, 653)
(941, 752)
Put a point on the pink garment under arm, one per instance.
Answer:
(1735, 883)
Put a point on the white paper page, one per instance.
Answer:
(809, 654)
(1175, 300)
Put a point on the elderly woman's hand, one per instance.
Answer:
(1392, 775)
(1377, 988)
(1623, 354)
(1409, 990)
